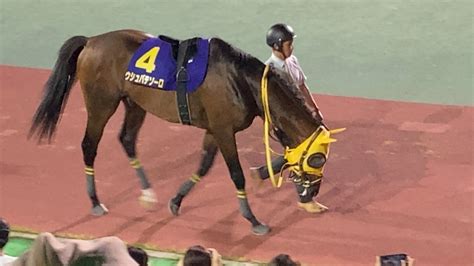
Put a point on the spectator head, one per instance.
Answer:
(283, 260)
(197, 256)
(4, 233)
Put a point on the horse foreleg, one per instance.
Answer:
(133, 121)
(227, 145)
(209, 151)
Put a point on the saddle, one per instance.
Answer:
(170, 64)
(182, 52)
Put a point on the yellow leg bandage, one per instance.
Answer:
(241, 194)
(195, 178)
(135, 163)
(89, 170)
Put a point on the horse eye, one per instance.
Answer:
(316, 160)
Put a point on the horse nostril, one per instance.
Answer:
(317, 160)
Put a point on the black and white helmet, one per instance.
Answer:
(279, 33)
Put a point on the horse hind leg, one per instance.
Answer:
(134, 118)
(99, 109)
(209, 151)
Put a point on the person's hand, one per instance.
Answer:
(216, 257)
(317, 115)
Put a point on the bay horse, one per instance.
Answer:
(226, 102)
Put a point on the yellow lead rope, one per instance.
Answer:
(266, 128)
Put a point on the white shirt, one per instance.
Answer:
(293, 68)
(4, 259)
(289, 65)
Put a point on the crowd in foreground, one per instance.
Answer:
(112, 251)
(106, 251)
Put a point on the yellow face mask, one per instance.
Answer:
(311, 155)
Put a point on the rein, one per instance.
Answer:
(266, 129)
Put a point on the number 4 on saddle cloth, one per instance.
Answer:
(172, 65)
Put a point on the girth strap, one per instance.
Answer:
(186, 50)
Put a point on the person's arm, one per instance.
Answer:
(298, 76)
(310, 100)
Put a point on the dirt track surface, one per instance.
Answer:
(398, 180)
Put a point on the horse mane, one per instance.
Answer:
(253, 67)
(237, 57)
(290, 89)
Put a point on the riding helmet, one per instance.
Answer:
(279, 33)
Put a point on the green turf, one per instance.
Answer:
(17, 246)
(416, 50)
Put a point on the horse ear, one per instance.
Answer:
(272, 71)
(328, 140)
(338, 130)
(272, 67)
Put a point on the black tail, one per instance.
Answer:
(56, 89)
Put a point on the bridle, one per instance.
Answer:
(309, 157)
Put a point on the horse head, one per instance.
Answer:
(305, 137)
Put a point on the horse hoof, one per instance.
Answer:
(312, 207)
(173, 208)
(148, 198)
(261, 229)
(99, 210)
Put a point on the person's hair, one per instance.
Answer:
(139, 255)
(283, 260)
(197, 256)
(4, 232)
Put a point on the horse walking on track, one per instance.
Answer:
(227, 101)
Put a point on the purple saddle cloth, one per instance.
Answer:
(154, 65)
